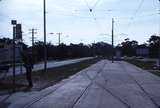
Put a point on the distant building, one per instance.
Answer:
(142, 50)
(6, 53)
(118, 53)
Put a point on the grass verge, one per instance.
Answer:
(42, 80)
(146, 65)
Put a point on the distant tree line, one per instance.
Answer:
(128, 47)
(63, 51)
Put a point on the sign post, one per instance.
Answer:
(14, 22)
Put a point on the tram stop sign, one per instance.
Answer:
(13, 22)
(18, 31)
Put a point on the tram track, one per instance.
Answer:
(139, 85)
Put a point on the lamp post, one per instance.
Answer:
(51, 33)
(59, 37)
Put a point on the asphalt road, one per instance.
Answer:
(102, 85)
(50, 64)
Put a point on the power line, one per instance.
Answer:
(96, 4)
(95, 18)
(139, 16)
(139, 7)
(87, 4)
(96, 22)
(91, 7)
(92, 14)
(135, 14)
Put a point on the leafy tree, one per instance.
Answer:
(154, 45)
(5, 41)
(71, 51)
(128, 47)
(102, 49)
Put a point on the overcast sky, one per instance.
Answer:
(137, 18)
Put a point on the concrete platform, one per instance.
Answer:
(103, 85)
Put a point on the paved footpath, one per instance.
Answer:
(103, 85)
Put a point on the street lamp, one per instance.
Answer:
(59, 37)
(51, 33)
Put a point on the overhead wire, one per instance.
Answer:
(75, 15)
(139, 16)
(96, 21)
(87, 4)
(95, 17)
(96, 4)
(93, 6)
(123, 17)
(92, 14)
(135, 14)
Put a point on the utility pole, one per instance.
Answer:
(94, 52)
(112, 39)
(59, 38)
(45, 49)
(14, 56)
(159, 35)
(32, 31)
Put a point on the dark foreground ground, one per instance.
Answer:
(42, 80)
(102, 85)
